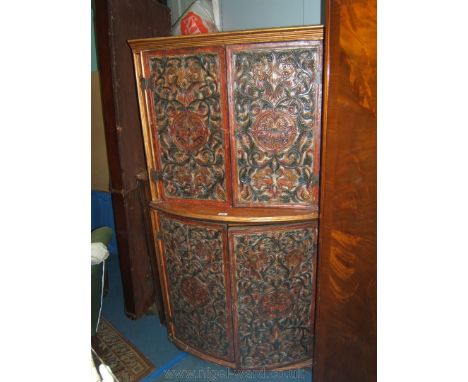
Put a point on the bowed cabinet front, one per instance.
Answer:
(232, 124)
(196, 264)
(254, 295)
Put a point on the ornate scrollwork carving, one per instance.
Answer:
(276, 95)
(274, 274)
(195, 268)
(190, 133)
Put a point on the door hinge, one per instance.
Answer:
(146, 83)
(156, 175)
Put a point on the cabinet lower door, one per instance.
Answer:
(273, 279)
(195, 263)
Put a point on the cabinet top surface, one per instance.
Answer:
(237, 215)
(227, 38)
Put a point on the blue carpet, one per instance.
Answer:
(165, 368)
(172, 364)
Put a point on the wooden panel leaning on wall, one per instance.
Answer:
(115, 24)
(346, 317)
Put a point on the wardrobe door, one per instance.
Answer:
(186, 109)
(114, 25)
(274, 108)
(273, 289)
(346, 345)
(195, 263)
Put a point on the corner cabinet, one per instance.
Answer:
(232, 129)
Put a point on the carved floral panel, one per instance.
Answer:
(187, 118)
(274, 272)
(194, 256)
(275, 96)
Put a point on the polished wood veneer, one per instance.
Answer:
(346, 319)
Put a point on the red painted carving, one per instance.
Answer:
(189, 132)
(274, 130)
(275, 95)
(277, 304)
(273, 285)
(187, 106)
(294, 260)
(194, 291)
(194, 257)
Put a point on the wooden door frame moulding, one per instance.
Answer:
(346, 313)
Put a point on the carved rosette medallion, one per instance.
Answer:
(189, 132)
(273, 279)
(275, 108)
(276, 304)
(194, 291)
(194, 257)
(274, 131)
(187, 119)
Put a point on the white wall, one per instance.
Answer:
(250, 14)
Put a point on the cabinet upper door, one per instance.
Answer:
(274, 107)
(186, 108)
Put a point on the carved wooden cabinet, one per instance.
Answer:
(232, 125)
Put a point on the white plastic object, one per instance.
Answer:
(99, 253)
(197, 18)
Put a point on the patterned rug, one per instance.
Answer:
(127, 363)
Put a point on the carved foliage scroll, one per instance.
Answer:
(275, 112)
(188, 104)
(194, 259)
(274, 287)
